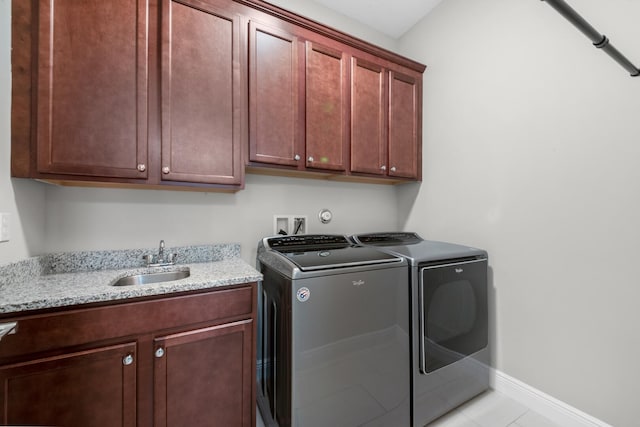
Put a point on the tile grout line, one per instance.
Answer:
(515, 422)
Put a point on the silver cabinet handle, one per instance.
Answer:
(142, 167)
(166, 170)
(127, 360)
(393, 168)
(310, 159)
(159, 352)
(383, 168)
(296, 157)
(8, 328)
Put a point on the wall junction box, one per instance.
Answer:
(289, 224)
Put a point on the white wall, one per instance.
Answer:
(22, 199)
(46, 218)
(531, 151)
(85, 218)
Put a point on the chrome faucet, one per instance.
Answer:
(159, 259)
(161, 252)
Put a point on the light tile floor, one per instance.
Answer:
(490, 409)
(493, 409)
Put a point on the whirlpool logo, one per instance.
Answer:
(357, 282)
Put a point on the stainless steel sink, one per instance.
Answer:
(143, 279)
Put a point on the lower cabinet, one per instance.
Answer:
(220, 393)
(184, 360)
(95, 387)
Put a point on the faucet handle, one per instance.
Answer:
(171, 258)
(149, 259)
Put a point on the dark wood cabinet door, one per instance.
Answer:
(205, 377)
(274, 113)
(405, 116)
(327, 91)
(89, 388)
(368, 118)
(92, 88)
(201, 94)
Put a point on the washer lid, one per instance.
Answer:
(339, 258)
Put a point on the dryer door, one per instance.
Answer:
(453, 312)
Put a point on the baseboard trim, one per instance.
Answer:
(548, 406)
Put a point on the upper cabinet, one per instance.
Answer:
(405, 125)
(297, 98)
(128, 92)
(92, 85)
(331, 105)
(386, 117)
(326, 102)
(202, 92)
(368, 117)
(187, 93)
(273, 96)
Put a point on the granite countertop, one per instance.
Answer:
(68, 279)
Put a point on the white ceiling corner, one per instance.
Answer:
(390, 17)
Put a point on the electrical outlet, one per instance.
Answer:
(4, 227)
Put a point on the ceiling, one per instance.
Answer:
(393, 18)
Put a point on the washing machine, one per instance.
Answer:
(334, 342)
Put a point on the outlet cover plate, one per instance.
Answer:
(4, 226)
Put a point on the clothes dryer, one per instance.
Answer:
(449, 326)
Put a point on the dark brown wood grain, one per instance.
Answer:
(21, 88)
(66, 367)
(77, 326)
(368, 117)
(221, 393)
(201, 91)
(186, 93)
(273, 96)
(386, 121)
(405, 118)
(92, 88)
(304, 23)
(327, 94)
(92, 387)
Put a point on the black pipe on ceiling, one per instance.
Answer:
(599, 40)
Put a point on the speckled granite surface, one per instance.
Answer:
(66, 279)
